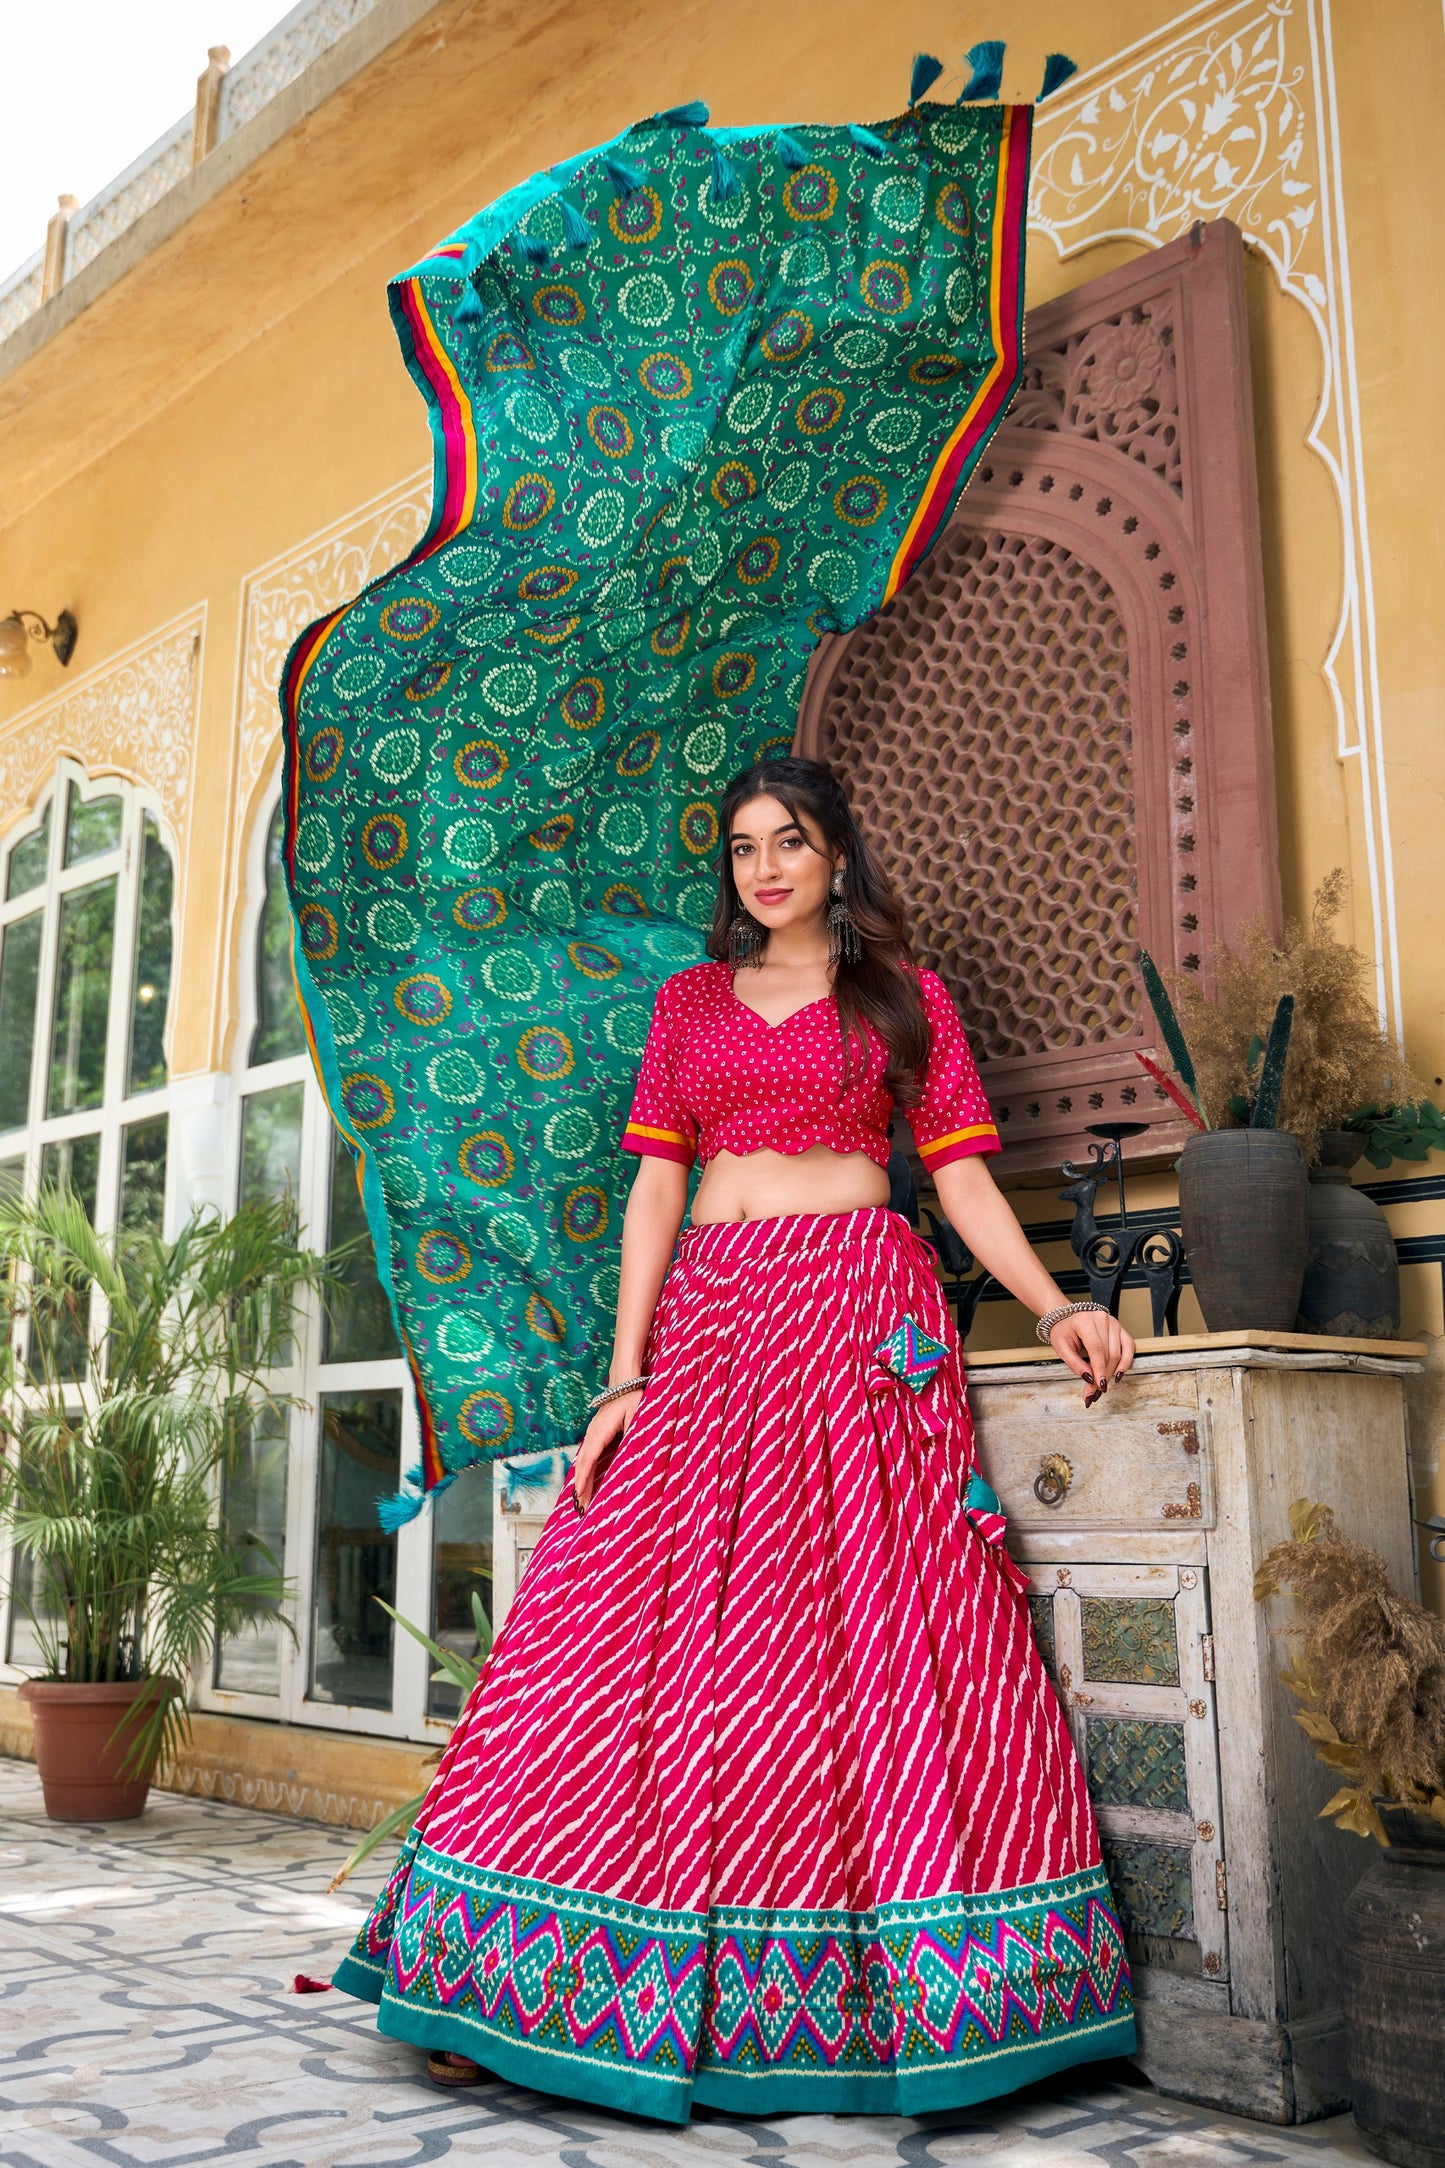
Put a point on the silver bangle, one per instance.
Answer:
(614, 1392)
(1051, 1318)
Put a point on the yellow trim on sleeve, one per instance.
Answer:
(658, 1136)
(958, 1136)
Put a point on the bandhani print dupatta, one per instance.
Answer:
(696, 399)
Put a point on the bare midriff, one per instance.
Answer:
(768, 1185)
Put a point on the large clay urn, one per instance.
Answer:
(1394, 1993)
(1352, 1275)
(1242, 1199)
(81, 1761)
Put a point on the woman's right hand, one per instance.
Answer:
(600, 1441)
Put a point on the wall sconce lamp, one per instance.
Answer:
(22, 626)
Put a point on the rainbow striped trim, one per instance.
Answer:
(658, 1143)
(959, 1143)
(955, 461)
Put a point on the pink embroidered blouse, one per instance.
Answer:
(716, 1077)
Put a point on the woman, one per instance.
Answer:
(764, 1800)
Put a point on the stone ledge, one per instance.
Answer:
(342, 1778)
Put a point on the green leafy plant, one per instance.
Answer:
(1370, 1672)
(131, 1373)
(461, 1673)
(1391, 1132)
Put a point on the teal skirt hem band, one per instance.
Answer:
(918, 2006)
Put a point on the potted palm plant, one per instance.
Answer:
(1369, 1674)
(131, 1371)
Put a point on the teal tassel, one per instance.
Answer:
(865, 139)
(574, 225)
(692, 115)
(986, 61)
(1271, 1074)
(725, 182)
(926, 71)
(469, 309)
(625, 178)
(415, 1477)
(791, 151)
(530, 249)
(1057, 69)
(402, 1506)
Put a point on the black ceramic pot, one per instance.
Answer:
(1394, 1993)
(1352, 1277)
(1242, 1195)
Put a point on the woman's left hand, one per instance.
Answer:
(1096, 1348)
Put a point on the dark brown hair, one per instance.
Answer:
(881, 988)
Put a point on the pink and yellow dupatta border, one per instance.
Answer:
(950, 469)
(458, 499)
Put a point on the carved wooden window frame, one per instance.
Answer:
(1158, 495)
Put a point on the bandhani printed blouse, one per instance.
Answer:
(716, 1077)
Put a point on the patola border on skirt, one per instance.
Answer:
(919, 2005)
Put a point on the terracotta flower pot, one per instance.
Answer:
(81, 1763)
(1242, 1212)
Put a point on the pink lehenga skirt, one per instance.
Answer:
(763, 1799)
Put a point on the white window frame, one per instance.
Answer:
(308, 1379)
(118, 1110)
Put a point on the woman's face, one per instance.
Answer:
(780, 863)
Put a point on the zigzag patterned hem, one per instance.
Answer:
(921, 2005)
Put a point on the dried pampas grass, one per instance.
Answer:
(1339, 1058)
(1370, 1670)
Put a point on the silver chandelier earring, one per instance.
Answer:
(745, 940)
(844, 946)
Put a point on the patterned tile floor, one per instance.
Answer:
(145, 2022)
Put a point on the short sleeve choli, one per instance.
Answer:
(716, 1077)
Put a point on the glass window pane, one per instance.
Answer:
(253, 1513)
(151, 989)
(358, 1326)
(74, 1161)
(462, 1554)
(143, 1175)
(25, 1646)
(82, 998)
(279, 1029)
(92, 827)
(351, 1636)
(29, 860)
(19, 976)
(271, 1143)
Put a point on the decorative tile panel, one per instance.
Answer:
(1151, 1888)
(1041, 1617)
(1130, 1640)
(1135, 1763)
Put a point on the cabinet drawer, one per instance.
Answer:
(1138, 1467)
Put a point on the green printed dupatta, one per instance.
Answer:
(696, 399)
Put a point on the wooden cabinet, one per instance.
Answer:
(1140, 1523)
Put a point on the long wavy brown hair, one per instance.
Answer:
(881, 988)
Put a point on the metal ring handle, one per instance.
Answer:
(1051, 1484)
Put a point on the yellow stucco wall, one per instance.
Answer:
(240, 391)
